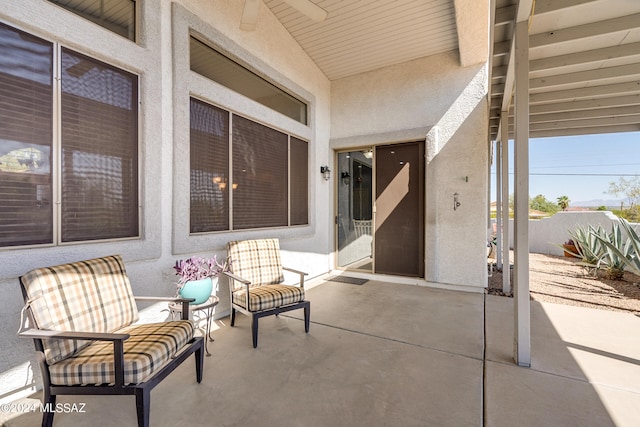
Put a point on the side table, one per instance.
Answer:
(206, 309)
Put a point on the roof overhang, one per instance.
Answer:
(584, 66)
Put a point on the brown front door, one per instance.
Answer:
(399, 209)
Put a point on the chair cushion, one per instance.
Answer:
(268, 296)
(90, 296)
(147, 350)
(257, 261)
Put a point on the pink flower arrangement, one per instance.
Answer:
(196, 268)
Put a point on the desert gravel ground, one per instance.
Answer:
(563, 280)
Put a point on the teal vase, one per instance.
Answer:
(198, 289)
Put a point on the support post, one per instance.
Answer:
(506, 234)
(499, 205)
(522, 315)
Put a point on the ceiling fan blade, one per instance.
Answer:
(250, 15)
(308, 8)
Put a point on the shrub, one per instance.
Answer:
(617, 252)
(628, 253)
(590, 249)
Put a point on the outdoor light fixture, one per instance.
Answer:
(326, 172)
(346, 178)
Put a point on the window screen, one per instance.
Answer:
(299, 185)
(268, 170)
(118, 16)
(260, 169)
(209, 168)
(26, 100)
(217, 67)
(99, 158)
(96, 178)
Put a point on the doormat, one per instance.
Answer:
(349, 280)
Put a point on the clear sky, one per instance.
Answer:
(580, 167)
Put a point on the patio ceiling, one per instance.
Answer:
(360, 36)
(584, 66)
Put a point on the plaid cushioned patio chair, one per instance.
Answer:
(256, 287)
(81, 319)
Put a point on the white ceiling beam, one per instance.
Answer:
(585, 92)
(562, 35)
(586, 57)
(584, 131)
(589, 92)
(499, 72)
(633, 110)
(523, 14)
(496, 103)
(308, 8)
(249, 18)
(501, 48)
(583, 106)
(547, 6)
(505, 15)
(576, 124)
(618, 101)
(472, 24)
(586, 76)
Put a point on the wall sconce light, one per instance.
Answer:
(346, 178)
(326, 172)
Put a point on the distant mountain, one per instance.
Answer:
(596, 203)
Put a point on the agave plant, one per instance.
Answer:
(618, 252)
(627, 252)
(588, 246)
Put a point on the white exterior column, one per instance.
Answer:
(522, 315)
(499, 205)
(504, 171)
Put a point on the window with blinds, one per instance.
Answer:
(99, 158)
(209, 210)
(217, 67)
(299, 183)
(118, 16)
(97, 146)
(267, 186)
(26, 132)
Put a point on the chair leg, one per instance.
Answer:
(254, 330)
(233, 316)
(199, 355)
(307, 315)
(143, 402)
(50, 404)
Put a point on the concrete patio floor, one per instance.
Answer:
(384, 354)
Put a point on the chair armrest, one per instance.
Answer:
(236, 278)
(77, 335)
(232, 288)
(301, 273)
(117, 339)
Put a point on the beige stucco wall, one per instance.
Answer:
(436, 100)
